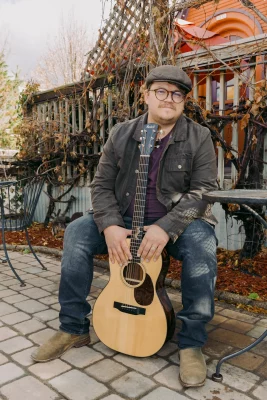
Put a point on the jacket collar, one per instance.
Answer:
(179, 134)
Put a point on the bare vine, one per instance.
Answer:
(116, 67)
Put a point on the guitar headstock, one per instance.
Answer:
(149, 133)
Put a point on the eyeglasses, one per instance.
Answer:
(162, 94)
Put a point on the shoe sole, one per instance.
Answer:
(187, 385)
(79, 344)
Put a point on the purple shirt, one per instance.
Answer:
(153, 208)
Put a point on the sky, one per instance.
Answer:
(30, 24)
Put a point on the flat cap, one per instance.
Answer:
(170, 73)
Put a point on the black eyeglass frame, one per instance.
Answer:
(167, 94)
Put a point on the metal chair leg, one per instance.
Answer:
(33, 252)
(217, 377)
(7, 259)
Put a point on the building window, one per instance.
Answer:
(232, 38)
(229, 88)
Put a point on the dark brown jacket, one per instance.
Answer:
(187, 170)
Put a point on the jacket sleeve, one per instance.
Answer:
(191, 205)
(105, 205)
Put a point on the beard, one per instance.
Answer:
(167, 118)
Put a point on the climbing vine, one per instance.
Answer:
(138, 35)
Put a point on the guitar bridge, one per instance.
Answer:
(129, 309)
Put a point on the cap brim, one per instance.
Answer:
(174, 82)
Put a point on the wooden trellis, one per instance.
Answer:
(119, 33)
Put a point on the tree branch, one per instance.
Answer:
(251, 6)
(191, 4)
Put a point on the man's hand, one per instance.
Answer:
(116, 242)
(153, 242)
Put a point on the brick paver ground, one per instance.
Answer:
(29, 316)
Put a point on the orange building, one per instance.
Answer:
(234, 22)
(229, 18)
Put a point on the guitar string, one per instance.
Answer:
(140, 194)
(138, 214)
(139, 208)
(138, 219)
(142, 199)
(131, 269)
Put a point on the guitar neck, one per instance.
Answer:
(139, 207)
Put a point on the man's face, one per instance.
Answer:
(163, 112)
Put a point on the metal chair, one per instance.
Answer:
(18, 201)
(242, 197)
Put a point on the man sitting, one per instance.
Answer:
(182, 167)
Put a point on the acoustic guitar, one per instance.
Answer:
(133, 314)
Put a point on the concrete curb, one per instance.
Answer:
(175, 284)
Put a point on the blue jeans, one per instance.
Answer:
(196, 248)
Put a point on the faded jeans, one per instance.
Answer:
(196, 248)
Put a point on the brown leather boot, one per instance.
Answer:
(193, 370)
(58, 344)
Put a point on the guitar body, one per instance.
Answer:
(131, 320)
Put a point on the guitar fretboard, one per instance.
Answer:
(139, 207)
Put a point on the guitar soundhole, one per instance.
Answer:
(133, 274)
